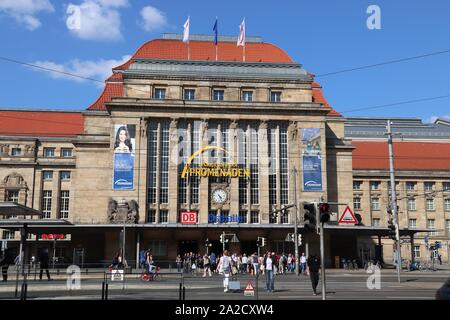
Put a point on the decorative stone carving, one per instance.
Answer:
(29, 150)
(123, 211)
(4, 149)
(14, 180)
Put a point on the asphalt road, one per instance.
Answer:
(342, 285)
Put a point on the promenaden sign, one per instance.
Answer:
(232, 170)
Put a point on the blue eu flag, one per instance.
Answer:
(216, 31)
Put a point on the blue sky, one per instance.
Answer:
(323, 35)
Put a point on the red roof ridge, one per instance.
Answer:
(317, 94)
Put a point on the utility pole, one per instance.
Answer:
(394, 199)
(296, 223)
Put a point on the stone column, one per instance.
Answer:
(233, 152)
(263, 155)
(141, 161)
(204, 182)
(173, 171)
(158, 171)
(293, 156)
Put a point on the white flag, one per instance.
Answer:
(241, 38)
(186, 30)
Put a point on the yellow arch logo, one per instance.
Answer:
(196, 153)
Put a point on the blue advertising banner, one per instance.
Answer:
(123, 163)
(312, 173)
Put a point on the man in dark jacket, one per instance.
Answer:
(44, 259)
(7, 260)
(314, 267)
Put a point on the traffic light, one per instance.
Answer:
(311, 216)
(292, 237)
(258, 242)
(299, 243)
(324, 209)
(391, 226)
(222, 238)
(263, 242)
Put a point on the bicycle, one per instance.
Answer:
(151, 276)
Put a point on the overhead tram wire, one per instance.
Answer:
(426, 55)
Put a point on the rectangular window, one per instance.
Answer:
(158, 248)
(430, 205)
(446, 186)
(254, 168)
(47, 203)
(218, 95)
(254, 217)
(243, 163)
(152, 160)
(65, 175)
(164, 167)
(375, 203)
(66, 153)
(429, 186)
(48, 175)
(151, 216)
(189, 94)
(431, 225)
(183, 154)
(49, 152)
(272, 136)
(417, 251)
(16, 151)
(284, 170)
(357, 203)
(163, 216)
(194, 181)
(243, 216)
(412, 204)
(8, 235)
(357, 185)
(12, 196)
(447, 227)
(375, 185)
(411, 186)
(160, 93)
(447, 204)
(64, 205)
(247, 96)
(412, 223)
(275, 96)
(375, 222)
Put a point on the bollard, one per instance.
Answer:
(184, 293)
(103, 290)
(180, 291)
(106, 292)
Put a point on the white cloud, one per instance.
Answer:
(432, 119)
(98, 19)
(25, 11)
(152, 19)
(99, 70)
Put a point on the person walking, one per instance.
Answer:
(269, 266)
(244, 264)
(303, 263)
(212, 259)
(43, 260)
(313, 268)
(206, 265)
(224, 267)
(5, 262)
(178, 261)
(255, 264)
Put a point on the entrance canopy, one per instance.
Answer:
(13, 209)
(371, 231)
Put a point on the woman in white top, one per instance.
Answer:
(224, 267)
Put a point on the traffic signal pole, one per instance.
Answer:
(394, 199)
(322, 263)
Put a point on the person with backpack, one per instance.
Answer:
(206, 265)
(5, 262)
(224, 267)
(44, 259)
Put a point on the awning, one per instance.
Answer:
(10, 209)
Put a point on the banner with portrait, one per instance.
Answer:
(124, 154)
(312, 173)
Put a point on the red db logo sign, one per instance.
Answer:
(189, 217)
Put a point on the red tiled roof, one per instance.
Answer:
(317, 94)
(407, 155)
(41, 123)
(206, 50)
(113, 88)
